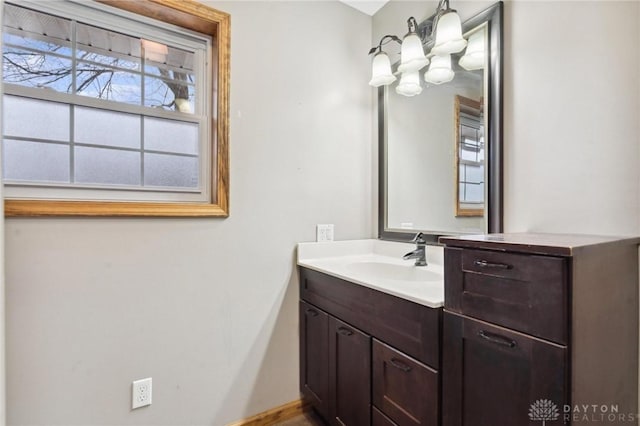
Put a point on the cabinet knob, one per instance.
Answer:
(345, 331)
(311, 312)
(399, 365)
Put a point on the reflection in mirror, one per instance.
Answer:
(469, 157)
(440, 150)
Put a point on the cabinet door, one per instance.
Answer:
(314, 357)
(492, 376)
(403, 388)
(379, 419)
(349, 375)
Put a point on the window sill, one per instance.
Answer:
(30, 208)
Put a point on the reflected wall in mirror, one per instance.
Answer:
(440, 151)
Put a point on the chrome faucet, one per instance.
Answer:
(419, 254)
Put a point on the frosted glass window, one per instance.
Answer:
(170, 171)
(110, 128)
(170, 136)
(107, 166)
(33, 118)
(35, 161)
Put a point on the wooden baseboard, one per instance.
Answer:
(275, 415)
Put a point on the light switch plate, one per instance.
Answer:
(324, 232)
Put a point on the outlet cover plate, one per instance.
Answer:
(141, 393)
(324, 232)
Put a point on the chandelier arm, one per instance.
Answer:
(385, 40)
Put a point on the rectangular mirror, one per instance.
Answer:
(440, 159)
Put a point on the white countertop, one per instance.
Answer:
(379, 265)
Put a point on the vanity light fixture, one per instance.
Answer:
(473, 58)
(409, 84)
(444, 32)
(412, 56)
(440, 70)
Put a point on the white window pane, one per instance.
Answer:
(35, 162)
(101, 82)
(169, 94)
(170, 135)
(52, 121)
(107, 166)
(32, 24)
(161, 56)
(475, 174)
(170, 171)
(474, 193)
(36, 69)
(108, 47)
(102, 127)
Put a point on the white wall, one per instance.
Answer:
(572, 117)
(207, 307)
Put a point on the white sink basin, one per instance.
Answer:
(379, 265)
(390, 271)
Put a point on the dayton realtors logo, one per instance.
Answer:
(543, 410)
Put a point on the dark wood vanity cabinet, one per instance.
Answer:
(366, 357)
(531, 317)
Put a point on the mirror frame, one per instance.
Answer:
(493, 17)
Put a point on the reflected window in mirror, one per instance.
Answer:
(470, 156)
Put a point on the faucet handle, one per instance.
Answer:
(419, 239)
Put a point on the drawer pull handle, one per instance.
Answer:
(345, 331)
(497, 339)
(399, 365)
(312, 312)
(485, 264)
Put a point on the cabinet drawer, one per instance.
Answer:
(408, 326)
(404, 389)
(527, 293)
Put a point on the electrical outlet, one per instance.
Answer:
(324, 232)
(141, 393)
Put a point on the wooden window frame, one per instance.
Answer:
(194, 16)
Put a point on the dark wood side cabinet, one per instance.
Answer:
(366, 357)
(539, 319)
